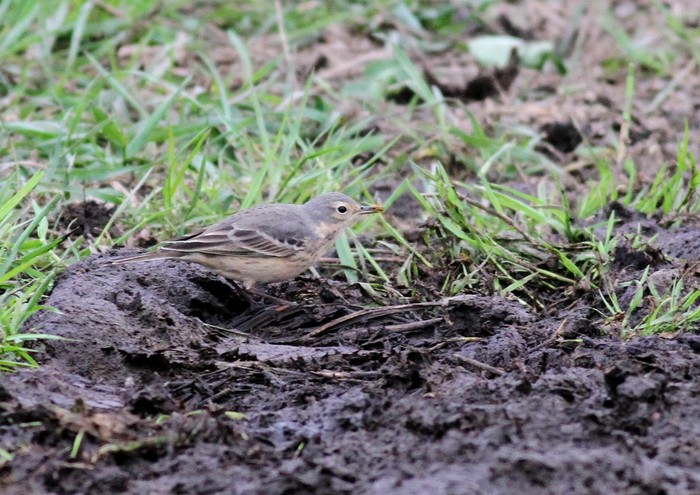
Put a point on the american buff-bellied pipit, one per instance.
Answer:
(267, 243)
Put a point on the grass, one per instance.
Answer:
(129, 104)
(25, 270)
(524, 245)
(651, 311)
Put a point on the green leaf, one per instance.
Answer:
(109, 130)
(494, 51)
(8, 205)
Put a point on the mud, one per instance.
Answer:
(171, 380)
(86, 218)
(168, 379)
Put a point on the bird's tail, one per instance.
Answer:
(156, 255)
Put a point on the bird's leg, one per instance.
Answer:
(248, 288)
(264, 295)
(242, 293)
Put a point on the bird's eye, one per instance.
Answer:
(342, 209)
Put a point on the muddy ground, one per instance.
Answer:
(172, 381)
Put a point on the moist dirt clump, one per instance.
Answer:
(170, 379)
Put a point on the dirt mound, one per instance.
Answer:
(172, 381)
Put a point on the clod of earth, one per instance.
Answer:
(171, 381)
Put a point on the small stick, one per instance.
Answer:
(478, 364)
(369, 313)
(383, 311)
(555, 336)
(348, 375)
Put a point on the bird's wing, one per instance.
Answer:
(228, 238)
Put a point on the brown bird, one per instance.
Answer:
(267, 243)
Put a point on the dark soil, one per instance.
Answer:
(173, 381)
(86, 218)
(170, 380)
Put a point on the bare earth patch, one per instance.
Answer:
(174, 382)
(170, 380)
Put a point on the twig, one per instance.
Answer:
(379, 312)
(397, 328)
(228, 331)
(478, 364)
(454, 340)
(506, 219)
(414, 325)
(555, 336)
(363, 314)
(348, 375)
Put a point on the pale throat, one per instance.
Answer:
(329, 232)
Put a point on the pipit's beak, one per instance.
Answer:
(367, 209)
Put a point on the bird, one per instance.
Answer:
(267, 243)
